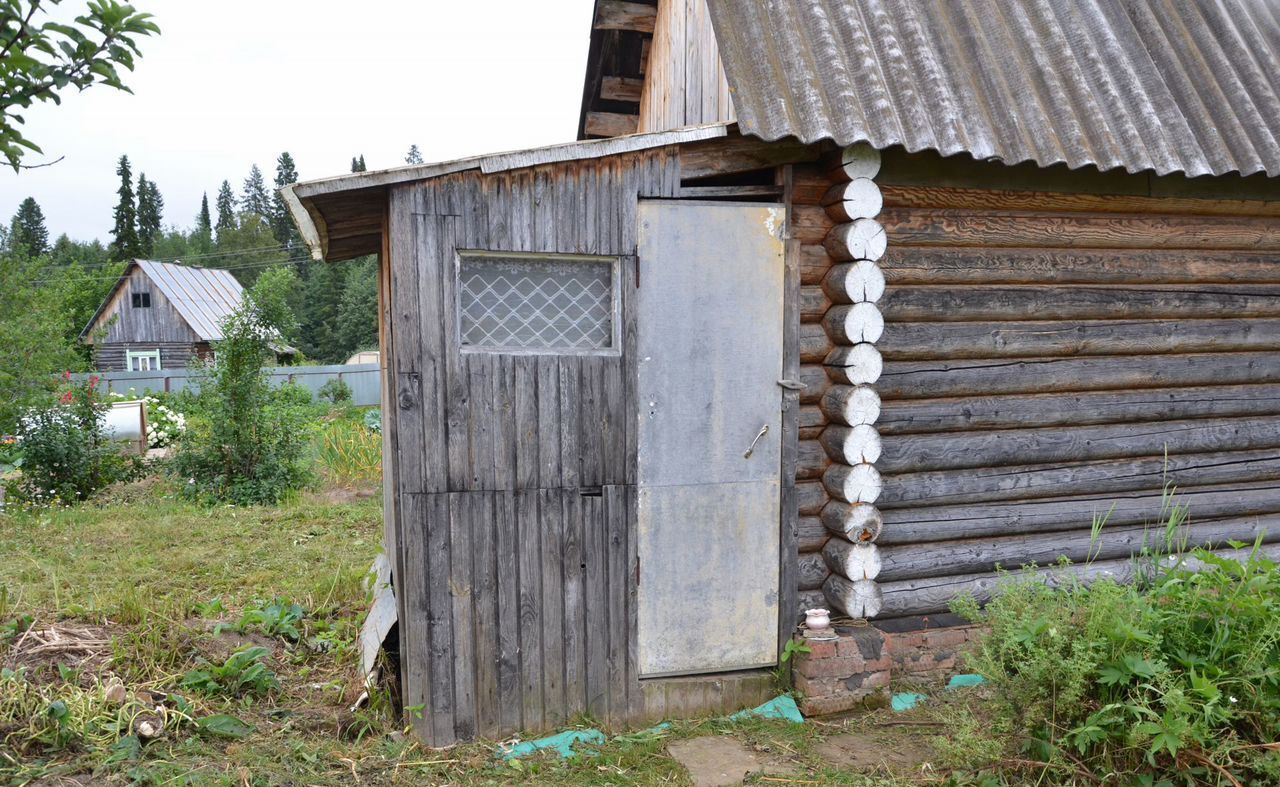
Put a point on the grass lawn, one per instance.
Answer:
(142, 590)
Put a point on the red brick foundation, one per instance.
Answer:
(930, 653)
(854, 669)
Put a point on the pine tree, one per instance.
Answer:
(281, 223)
(357, 164)
(254, 198)
(414, 157)
(28, 228)
(150, 214)
(124, 235)
(226, 204)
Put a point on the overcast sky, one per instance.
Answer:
(230, 83)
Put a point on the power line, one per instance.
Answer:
(245, 266)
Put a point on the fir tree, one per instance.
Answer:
(357, 163)
(202, 235)
(254, 198)
(281, 224)
(356, 327)
(150, 214)
(124, 235)
(204, 222)
(28, 229)
(414, 157)
(226, 204)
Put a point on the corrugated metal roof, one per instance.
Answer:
(202, 296)
(1164, 85)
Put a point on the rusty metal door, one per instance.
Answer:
(709, 357)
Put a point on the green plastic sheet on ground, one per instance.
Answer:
(905, 701)
(965, 681)
(783, 707)
(561, 742)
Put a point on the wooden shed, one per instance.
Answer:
(160, 315)
(875, 300)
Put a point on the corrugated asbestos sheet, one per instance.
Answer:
(1163, 85)
(203, 296)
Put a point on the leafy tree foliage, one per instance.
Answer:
(28, 228)
(40, 59)
(245, 443)
(124, 235)
(414, 156)
(150, 215)
(357, 164)
(34, 320)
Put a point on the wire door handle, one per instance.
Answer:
(751, 448)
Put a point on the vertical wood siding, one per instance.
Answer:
(159, 323)
(685, 83)
(514, 473)
(1042, 354)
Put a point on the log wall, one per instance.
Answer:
(1053, 357)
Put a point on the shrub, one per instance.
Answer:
(336, 391)
(1176, 676)
(65, 454)
(292, 395)
(246, 443)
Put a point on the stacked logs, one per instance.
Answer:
(851, 405)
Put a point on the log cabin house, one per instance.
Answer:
(832, 304)
(160, 315)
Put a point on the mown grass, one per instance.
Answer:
(159, 578)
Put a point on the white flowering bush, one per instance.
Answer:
(164, 424)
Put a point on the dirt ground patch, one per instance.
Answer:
(716, 761)
(894, 750)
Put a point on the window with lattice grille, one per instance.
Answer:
(550, 303)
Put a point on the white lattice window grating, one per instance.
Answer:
(542, 303)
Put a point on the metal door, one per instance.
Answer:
(709, 357)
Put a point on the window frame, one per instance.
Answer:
(140, 300)
(615, 301)
(142, 355)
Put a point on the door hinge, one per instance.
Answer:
(792, 385)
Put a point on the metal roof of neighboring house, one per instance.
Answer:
(202, 296)
(1166, 85)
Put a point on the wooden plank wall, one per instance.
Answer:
(158, 323)
(514, 473)
(685, 83)
(1044, 352)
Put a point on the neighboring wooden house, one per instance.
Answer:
(893, 293)
(160, 315)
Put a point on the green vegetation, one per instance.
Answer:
(44, 58)
(65, 455)
(1176, 677)
(246, 443)
(243, 674)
